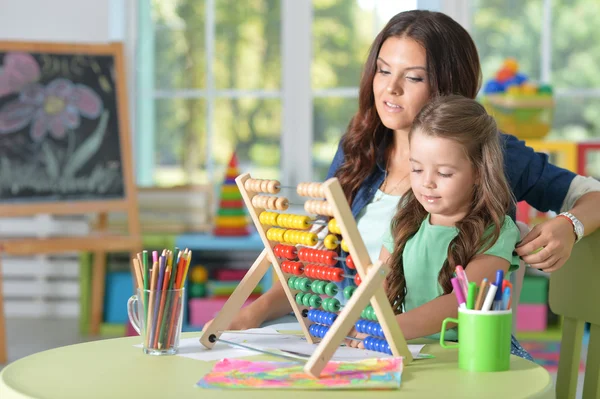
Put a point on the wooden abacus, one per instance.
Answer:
(329, 325)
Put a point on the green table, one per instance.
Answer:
(111, 369)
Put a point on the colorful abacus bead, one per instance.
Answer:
(308, 299)
(331, 241)
(288, 266)
(321, 317)
(318, 330)
(331, 305)
(348, 291)
(310, 190)
(369, 313)
(262, 186)
(344, 246)
(357, 279)
(285, 251)
(268, 218)
(369, 327)
(377, 345)
(318, 256)
(350, 262)
(333, 227)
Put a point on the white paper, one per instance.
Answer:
(269, 339)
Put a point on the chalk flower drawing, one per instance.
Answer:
(54, 108)
(17, 70)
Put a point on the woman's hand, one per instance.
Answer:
(244, 320)
(555, 237)
(354, 343)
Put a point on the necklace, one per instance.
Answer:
(379, 196)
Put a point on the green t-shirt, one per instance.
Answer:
(425, 254)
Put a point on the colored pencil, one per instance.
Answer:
(481, 294)
(150, 314)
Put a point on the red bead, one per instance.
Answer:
(350, 262)
(297, 268)
(302, 254)
(330, 272)
(337, 275)
(312, 255)
(330, 258)
(308, 270)
(357, 280)
(323, 272)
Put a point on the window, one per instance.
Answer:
(262, 77)
(342, 32)
(554, 41)
(215, 89)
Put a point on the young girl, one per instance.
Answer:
(456, 213)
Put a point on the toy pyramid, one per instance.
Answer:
(231, 218)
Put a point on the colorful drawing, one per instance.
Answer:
(246, 374)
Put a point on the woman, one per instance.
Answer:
(419, 55)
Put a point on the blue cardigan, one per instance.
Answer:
(531, 177)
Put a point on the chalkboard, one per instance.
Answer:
(60, 127)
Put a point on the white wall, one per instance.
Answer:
(55, 20)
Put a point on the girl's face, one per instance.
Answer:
(442, 177)
(400, 84)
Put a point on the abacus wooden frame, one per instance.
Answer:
(370, 290)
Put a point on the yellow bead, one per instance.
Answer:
(281, 234)
(262, 217)
(303, 222)
(312, 239)
(272, 219)
(330, 241)
(344, 246)
(333, 227)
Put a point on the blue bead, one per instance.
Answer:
(321, 317)
(311, 315)
(367, 342)
(377, 345)
(380, 331)
(311, 329)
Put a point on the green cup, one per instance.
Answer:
(483, 339)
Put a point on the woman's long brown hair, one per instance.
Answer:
(453, 68)
(466, 122)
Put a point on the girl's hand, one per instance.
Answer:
(244, 320)
(555, 237)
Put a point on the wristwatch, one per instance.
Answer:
(577, 225)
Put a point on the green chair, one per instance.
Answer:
(574, 294)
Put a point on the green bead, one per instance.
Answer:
(306, 299)
(299, 297)
(321, 287)
(348, 291)
(331, 289)
(297, 283)
(371, 313)
(292, 282)
(333, 305)
(304, 284)
(315, 301)
(314, 286)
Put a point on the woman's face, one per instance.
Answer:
(400, 84)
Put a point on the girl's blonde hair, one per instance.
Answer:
(466, 122)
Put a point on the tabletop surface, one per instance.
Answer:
(116, 368)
